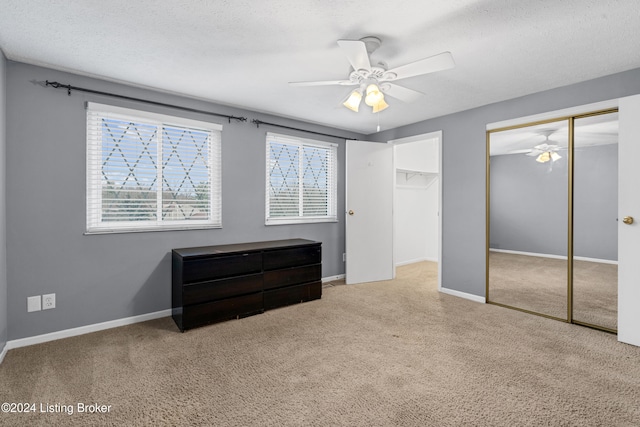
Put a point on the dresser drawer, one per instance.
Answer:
(222, 288)
(216, 311)
(292, 295)
(210, 268)
(292, 276)
(292, 257)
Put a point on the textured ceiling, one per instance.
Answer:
(243, 53)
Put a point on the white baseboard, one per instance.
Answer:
(332, 278)
(413, 261)
(507, 251)
(38, 339)
(471, 297)
(601, 261)
(577, 258)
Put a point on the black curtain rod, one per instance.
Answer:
(260, 122)
(69, 88)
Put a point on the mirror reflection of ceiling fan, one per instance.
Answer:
(376, 80)
(545, 153)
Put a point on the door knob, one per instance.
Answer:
(350, 212)
(628, 220)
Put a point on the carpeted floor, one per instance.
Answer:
(540, 285)
(394, 353)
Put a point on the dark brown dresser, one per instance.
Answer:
(215, 283)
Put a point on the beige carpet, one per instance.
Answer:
(394, 353)
(540, 285)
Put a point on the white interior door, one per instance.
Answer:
(629, 234)
(369, 216)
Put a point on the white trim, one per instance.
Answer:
(572, 111)
(507, 251)
(471, 297)
(129, 113)
(577, 258)
(38, 339)
(413, 261)
(146, 230)
(601, 261)
(332, 278)
(3, 353)
(299, 220)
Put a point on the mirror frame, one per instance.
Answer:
(570, 256)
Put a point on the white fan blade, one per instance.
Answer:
(401, 93)
(535, 153)
(356, 52)
(442, 61)
(547, 147)
(526, 151)
(324, 83)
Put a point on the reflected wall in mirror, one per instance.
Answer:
(595, 226)
(527, 222)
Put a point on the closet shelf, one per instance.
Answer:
(425, 181)
(410, 173)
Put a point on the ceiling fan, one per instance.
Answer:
(376, 80)
(545, 152)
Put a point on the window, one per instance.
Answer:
(147, 171)
(301, 180)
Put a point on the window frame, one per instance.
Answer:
(94, 210)
(332, 174)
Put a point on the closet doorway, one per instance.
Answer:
(552, 218)
(417, 200)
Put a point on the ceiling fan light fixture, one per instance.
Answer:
(544, 157)
(374, 96)
(353, 102)
(381, 105)
(555, 156)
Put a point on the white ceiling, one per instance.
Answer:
(243, 53)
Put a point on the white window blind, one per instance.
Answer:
(301, 180)
(149, 171)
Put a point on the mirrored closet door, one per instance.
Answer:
(595, 222)
(528, 218)
(551, 219)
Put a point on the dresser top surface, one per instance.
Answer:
(242, 247)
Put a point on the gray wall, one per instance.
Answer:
(595, 194)
(529, 203)
(3, 239)
(464, 167)
(99, 278)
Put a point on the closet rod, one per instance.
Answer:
(260, 122)
(69, 88)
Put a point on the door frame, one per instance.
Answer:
(416, 138)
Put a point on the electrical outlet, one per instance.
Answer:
(48, 301)
(34, 304)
